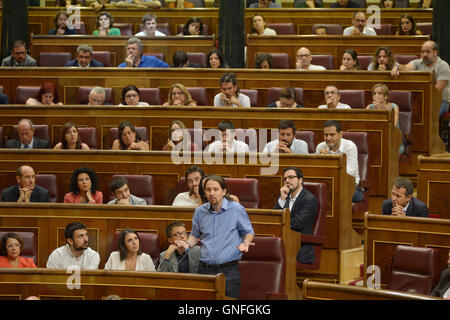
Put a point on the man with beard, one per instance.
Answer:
(442, 289)
(335, 144)
(76, 251)
(230, 96)
(190, 198)
(26, 189)
(359, 28)
(287, 143)
(303, 207)
(430, 61)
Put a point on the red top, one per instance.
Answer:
(75, 198)
(23, 262)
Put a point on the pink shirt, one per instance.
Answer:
(75, 198)
(23, 262)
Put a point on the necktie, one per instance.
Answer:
(26, 146)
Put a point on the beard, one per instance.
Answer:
(81, 248)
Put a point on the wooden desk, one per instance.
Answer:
(382, 234)
(383, 137)
(330, 45)
(433, 184)
(328, 169)
(49, 220)
(313, 290)
(117, 45)
(41, 19)
(48, 284)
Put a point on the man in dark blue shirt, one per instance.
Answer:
(135, 57)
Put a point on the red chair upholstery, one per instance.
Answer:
(197, 57)
(318, 237)
(404, 101)
(126, 29)
(89, 136)
(81, 28)
(40, 130)
(280, 60)
(83, 95)
(385, 29)
(30, 244)
(151, 96)
(48, 181)
(405, 58)
(149, 244)
(263, 269)
(425, 27)
(246, 189)
(103, 57)
(308, 137)
(252, 94)
(324, 60)
(414, 270)
(205, 29)
(354, 98)
(274, 95)
(364, 61)
(25, 92)
(113, 133)
(140, 185)
(199, 95)
(286, 28)
(54, 59)
(163, 27)
(158, 55)
(249, 136)
(2, 137)
(332, 28)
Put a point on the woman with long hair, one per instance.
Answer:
(129, 139)
(70, 138)
(179, 96)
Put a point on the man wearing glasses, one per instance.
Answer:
(178, 258)
(303, 60)
(19, 57)
(303, 207)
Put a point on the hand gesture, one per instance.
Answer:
(382, 67)
(170, 145)
(324, 151)
(395, 72)
(123, 201)
(61, 30)
(243, 247)
(356, 32)
(225, 100)
(397, 210)
(283, 147)
(89, 196)
(284, 192)
(129, 60)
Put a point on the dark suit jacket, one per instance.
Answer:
(443, 285)
(74, 63)
(39, 194)
(416, 208)
(303, 215)
(37, 143)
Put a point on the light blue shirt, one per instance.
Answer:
(221, 232)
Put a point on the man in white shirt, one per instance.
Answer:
(287, 143)
(192, 197)
(149, 22)
(228, 143)
(335, 144)
(76, 251)
(230, 96)
(332, 97)
(359, 27)
(303, 60)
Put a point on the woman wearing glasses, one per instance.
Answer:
(11, 246)
(131, 97)
(179, 96)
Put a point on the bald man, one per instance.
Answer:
(26, 139)
(26, 189)
(429, 60)
(304, 59)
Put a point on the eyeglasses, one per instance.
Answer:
(131, 96)
(289, 177)
(179, 234)
(303, 56)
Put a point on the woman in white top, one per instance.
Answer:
(131, 97)
(260, 28)
(129, 257)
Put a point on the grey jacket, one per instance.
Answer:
(171, 265)
(134, 201)
(10, 62)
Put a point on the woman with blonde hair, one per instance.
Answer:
(179, 96)
(259, 27)
(380, 101)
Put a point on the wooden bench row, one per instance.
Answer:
(41, 19)
(426, 100)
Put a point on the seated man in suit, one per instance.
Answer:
(19, 56)
(26, 189)
(402, 202)
(178, 258)
(303, 206)
(26, 139)
(442, 289)
(84, 58)
(119, 187)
